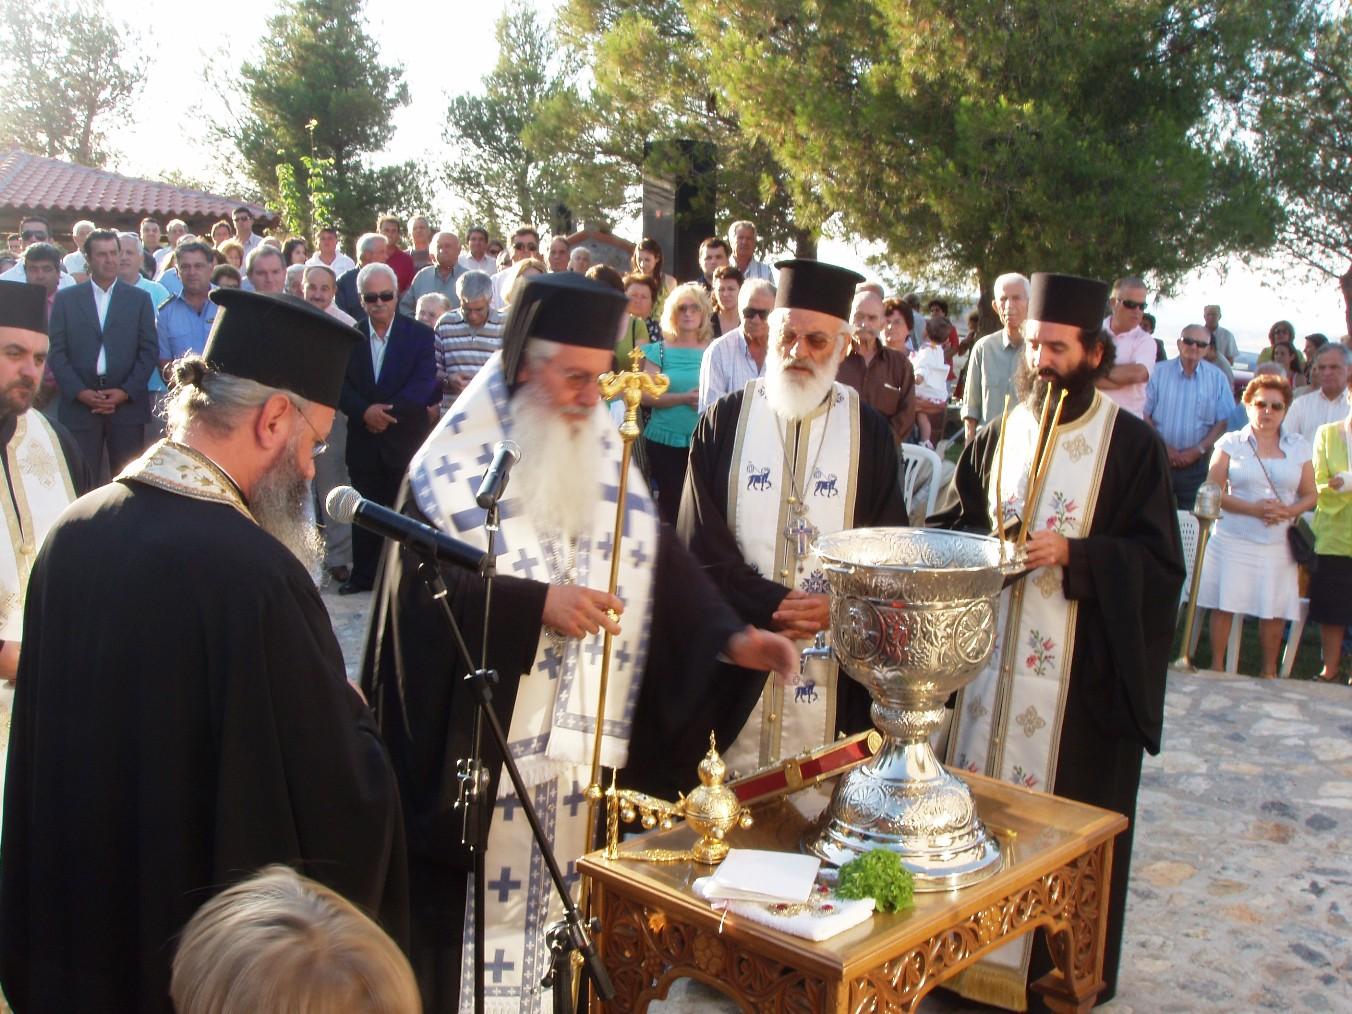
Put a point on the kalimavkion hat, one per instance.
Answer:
(1068, 299)
(562, 307)
(23, 306)
(280, 341)
(813, 285)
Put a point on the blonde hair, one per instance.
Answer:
(674, 298)
(281, 944)
(513, 282)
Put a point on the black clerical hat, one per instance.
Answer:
(562, 307)
(280, 341)
(1068, 299)
(23, 306)
(813, 285)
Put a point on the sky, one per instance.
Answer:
(447, 47)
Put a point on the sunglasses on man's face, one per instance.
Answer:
(750, 313)
(34, 234)
(377, 297)
(1132, 304)
(532, 247)
(1194, 343)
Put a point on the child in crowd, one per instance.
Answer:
(931, 379)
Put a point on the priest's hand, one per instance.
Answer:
(1047, 549)
(800, 616)
(764, 652)
(377, 418)
(575, 611)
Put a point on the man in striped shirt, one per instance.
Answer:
(1189, 403)
(467, 336)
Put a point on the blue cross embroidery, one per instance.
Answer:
(504, 885)
(509, 805)
(525, 563)
(632, 502)
(623, 658)
(473, 517)
(637, 556)
(497, 967)
(485, 457)
(457, 421)
(595, 648)
(446, 469)
(573, 800)
(551, 663)
(605, 546)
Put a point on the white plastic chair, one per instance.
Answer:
(1189, 530)
(911, 457)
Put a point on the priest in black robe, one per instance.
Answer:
(182, 716)
(548, 616)
(792, 456)
(1122, 574)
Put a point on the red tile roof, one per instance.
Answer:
(32, 182)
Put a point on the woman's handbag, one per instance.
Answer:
(1299, 538)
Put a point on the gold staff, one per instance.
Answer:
(999, 472)
(1042, 465)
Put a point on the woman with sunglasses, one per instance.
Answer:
(1267, 482)
(686, 333)
(1331, 581)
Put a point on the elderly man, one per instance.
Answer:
(738, 356)
(265, 269)
(129, 268)
(295, 281)
(244, 234)
(883, 377)
(549, 605)
(801, 447)
(742, 237)
(477, 257)
(74, 262)
(1074, 691)
(1221, 338)
(421, 242)
(328, 255)
(103, 350)
(431, 307)
(391, 379)
(579, 260)
(1135, 348)
(371, 249)
(1189, 402)
(439, 277)
(994, 358)
(467, 336)
(320, 288)
(173, 232)
(244, 744)
(185, 320)
(714, 253)
(399, 261)
(1328, 402)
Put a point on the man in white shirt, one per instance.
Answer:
(1223, 341)
(129, 262)
(74, 263)
(244, 233)
(742, 239)
(477, 258)
(1125, 382)
(328, 255)
(1328, 401)
(174, 231)
(525, 245)
(738, 356)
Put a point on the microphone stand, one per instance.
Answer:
(572, 934)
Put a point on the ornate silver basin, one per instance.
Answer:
(913, 618)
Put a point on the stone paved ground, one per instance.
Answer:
(1241, 889)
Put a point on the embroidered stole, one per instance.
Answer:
(1007, 722)
(554, 717)
(762, 495)
(40, 482)
(179, 469)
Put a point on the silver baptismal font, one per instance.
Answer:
(913, 618)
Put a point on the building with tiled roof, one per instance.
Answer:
(64, 193)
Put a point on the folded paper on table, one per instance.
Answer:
(758, 875)
(820, 917)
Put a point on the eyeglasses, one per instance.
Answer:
(1194, 343)
(36, 234)
(1132, 304)
(532, 247)
(689, 308)
(1272, 406)
(320, 445)
(377, 297)
(751, 313)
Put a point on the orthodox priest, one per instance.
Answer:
(1074, 691)
(44, 472)
(545, 640)
(791, 456)
(182, 715)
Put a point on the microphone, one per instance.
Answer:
(346, 506)
(494, 483)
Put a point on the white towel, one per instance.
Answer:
(821, 917)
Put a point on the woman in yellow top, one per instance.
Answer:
(1331, 582)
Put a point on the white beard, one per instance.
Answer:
(792, 395)
(558, 479)
(280, 503)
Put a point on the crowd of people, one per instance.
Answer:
(226, 384)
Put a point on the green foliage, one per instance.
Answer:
(527, 156)
(878, 875)
(319, 99)
(71, 71)
(1025, 135)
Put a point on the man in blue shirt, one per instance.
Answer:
(1189, 403)
(185, 319)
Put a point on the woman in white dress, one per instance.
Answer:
(1267, 481)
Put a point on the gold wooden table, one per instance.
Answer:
(654, 930)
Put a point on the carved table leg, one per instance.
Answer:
(1077, 948)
